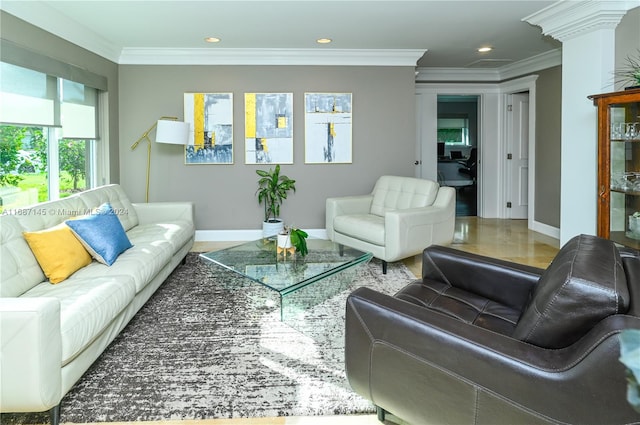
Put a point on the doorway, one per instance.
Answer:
(458, 149)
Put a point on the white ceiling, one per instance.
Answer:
(145, 31)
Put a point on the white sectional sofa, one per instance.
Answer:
(51, 333)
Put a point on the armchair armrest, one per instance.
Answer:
(30, 354)
(459, 372)
(345, 205)
(502, 281)
(158, 212)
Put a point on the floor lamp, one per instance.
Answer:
(168, 130)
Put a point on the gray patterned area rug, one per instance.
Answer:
(209, 344)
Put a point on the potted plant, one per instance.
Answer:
(291, 236)
(630, 74)
(272, 190)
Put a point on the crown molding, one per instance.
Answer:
(51, 20)
(567, 19)
(224, 56)
(456, 74)
(523, 67)
(533, 64)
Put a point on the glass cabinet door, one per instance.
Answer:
(624, 164)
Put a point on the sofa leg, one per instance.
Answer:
(184, 261)
(384, 267)
(54, 415)
(381, 413)
(341, 249)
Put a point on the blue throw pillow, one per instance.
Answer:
(102, 234)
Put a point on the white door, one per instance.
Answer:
(518, 156)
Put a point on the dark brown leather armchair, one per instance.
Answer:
(483, 341)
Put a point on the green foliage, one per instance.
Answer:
(299, 240)
(39, 145)
(272, 190)
(24, 155)
(10, 145)
(630, 357)
(73, 159)
(630, 74)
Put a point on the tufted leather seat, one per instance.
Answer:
(398, 219)
(480, 340)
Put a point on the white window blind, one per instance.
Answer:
(27, 96)
(78, 111)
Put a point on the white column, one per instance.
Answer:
(587, 68)
(587, 32)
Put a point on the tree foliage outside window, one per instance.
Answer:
(24, 160)
(73, 160)
(451, 136)
(10, 160)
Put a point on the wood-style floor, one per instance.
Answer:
(505, 239)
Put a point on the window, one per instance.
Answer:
(453, 131)
(48, 132)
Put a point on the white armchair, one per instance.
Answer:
(401, 217)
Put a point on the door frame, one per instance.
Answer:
(492, 110)
(525, 84)
(514, 125)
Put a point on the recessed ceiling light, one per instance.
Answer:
(212, 40)
(324, 40)
(485, 49)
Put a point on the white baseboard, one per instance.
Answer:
(545, 229)
(244, 235)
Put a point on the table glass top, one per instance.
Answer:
(258, 260)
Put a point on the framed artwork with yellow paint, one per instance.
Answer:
(268, 128)
(327, 128)
(211, 132)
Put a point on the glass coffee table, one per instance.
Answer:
(300, 282)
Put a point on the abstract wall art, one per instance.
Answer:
(211, 119)
(327, 128)
(268, 128)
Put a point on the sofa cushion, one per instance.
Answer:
(153, 247)
(51, 213)
(393, 192)
(584, 284)
(58, 252)
(87, 307)
(102, 234)
(48, 214)
(365, 227)
(119, 201)
(174, 233)
(19, 271)
(461, 305)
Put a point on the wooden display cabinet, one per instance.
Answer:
(619, 166)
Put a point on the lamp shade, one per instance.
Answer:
(174, 132)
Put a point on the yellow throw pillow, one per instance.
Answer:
(58, 251)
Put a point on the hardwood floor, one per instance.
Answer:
(505, 239)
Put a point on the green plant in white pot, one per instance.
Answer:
(292, 236)
(272, 191)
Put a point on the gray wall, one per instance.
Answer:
(45, 43)
(547, 172)
(627, 40)
(384, 138)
